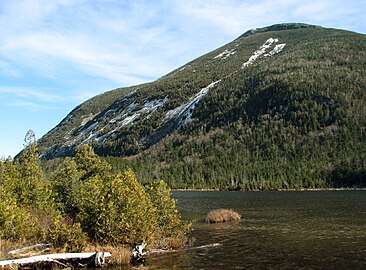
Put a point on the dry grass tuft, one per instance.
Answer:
(222, 215)
(7, 245)
(120, 254)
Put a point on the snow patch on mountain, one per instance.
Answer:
(262, 51)
(225, 54)
(86, 119)
(124, 113)
(114, 119)
(126, 118)
(183, 113)
(277, 49)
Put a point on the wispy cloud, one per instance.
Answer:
(236, 16)
(101, 42)
(7, 69)
(31, 105)
(23, 92)
(123, 41)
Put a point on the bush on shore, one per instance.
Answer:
(84, 204)
(222, 215)
(171, 229)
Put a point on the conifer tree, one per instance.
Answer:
(89, 164)
(32, 188)
(66, 184)
(117, 209)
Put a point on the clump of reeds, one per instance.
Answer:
(222, 215)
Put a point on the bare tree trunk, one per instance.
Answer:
(92, 258)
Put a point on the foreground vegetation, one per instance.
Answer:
(83, 204)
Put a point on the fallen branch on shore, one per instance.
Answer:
(37, 246)
(33, 250)
(96, 259)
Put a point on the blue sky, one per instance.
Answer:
(55, 54)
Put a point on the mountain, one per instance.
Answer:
(279, 107)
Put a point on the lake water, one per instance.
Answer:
(278, 230)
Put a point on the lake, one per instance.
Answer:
(278, 230)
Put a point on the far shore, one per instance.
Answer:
(291, 189)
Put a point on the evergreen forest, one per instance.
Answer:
(291, 120)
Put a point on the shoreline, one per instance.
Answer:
(274, 190)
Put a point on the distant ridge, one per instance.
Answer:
(279, 27)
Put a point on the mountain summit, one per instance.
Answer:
(280, 106)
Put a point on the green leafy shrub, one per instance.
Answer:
(171, 231)
(117, 210)
(84, 202)
(25, 196)
(16, 223)
(67, 237)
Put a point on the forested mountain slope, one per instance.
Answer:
(279, 107)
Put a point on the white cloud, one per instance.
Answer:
(31, 105)
(235, 17)
(319, 10)
(102, 45)
(8, 69)
(129, 42)
(44, 95)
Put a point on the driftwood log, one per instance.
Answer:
(95, 259)
(40, 247)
